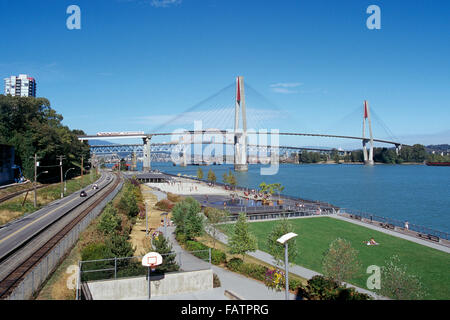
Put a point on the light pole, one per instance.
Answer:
(284, 240)
(35, 180)
(65, 179)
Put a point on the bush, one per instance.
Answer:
(218, 257)
(96, 251)
(235, 264)
(321, 288)
(216, 281)
(181, 238)
(174, 198)
(109, 221)
(164, 205)
(253, 270)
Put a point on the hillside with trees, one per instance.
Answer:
(31, 126)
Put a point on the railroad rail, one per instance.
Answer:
(13, 279)
(18, 193)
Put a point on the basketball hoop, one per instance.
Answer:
(152, 260)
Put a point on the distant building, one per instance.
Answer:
(21, 86)
(6, 164)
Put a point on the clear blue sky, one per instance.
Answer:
(133, 60)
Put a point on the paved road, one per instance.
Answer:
(19, 231)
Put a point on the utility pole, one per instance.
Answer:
(35, 176)
(82, 168)
(60, 158)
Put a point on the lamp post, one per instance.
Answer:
(284, 240)
(65, 179)
(164, 214)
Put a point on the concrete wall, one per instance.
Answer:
(137, 288)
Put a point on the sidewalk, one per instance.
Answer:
(394, 233)
(294, 269)
(241, 286)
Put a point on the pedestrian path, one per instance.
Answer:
(243, 287)
(394, 233)
(294, 269)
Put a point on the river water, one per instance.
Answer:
(416, 193)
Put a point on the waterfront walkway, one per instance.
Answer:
(397, 234)
(243, 287)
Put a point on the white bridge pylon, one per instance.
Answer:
(368, 158)
(240, 135)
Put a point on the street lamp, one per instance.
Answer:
(35, 180)
(65, 179)
(164, 214)
(284, 240)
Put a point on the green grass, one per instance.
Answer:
(47, 194)
(315, 235)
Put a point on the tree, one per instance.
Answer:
(109, 220)
(212, 176)
(276, 249)
(187, 218)
(199, 173)
(242, 240)
(164, 248)
(119, 246)
(32, 126)
(229, 178)
(341, 261)
(398, 283)
(214, 218)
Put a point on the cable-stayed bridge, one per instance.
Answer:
(240, 143)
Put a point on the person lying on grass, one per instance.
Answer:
(371, 242)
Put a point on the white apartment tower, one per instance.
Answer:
(22, 86)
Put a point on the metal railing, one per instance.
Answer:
(126, 267)
(395, 223)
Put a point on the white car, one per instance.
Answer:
(95, 186)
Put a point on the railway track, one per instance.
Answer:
(14, 278)
(18, 193)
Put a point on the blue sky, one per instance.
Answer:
(135, 62)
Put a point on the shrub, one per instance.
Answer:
(164, 205)
(253, 270)
(109, 221)
(321, 288)
(174, 197)
(216, 281)
(235, 264)
(180, 237)
(218, 257)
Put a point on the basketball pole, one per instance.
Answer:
(149, 284)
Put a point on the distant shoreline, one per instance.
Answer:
(357, 163)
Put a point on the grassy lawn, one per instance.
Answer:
(315, 235)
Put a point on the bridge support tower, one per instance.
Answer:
(147, 163)
(368, 155)
(240, 136)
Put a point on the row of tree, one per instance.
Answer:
(415, 153)
(31, 126)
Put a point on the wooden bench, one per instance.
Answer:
(433, 238)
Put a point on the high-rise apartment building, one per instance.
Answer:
(22, 86)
